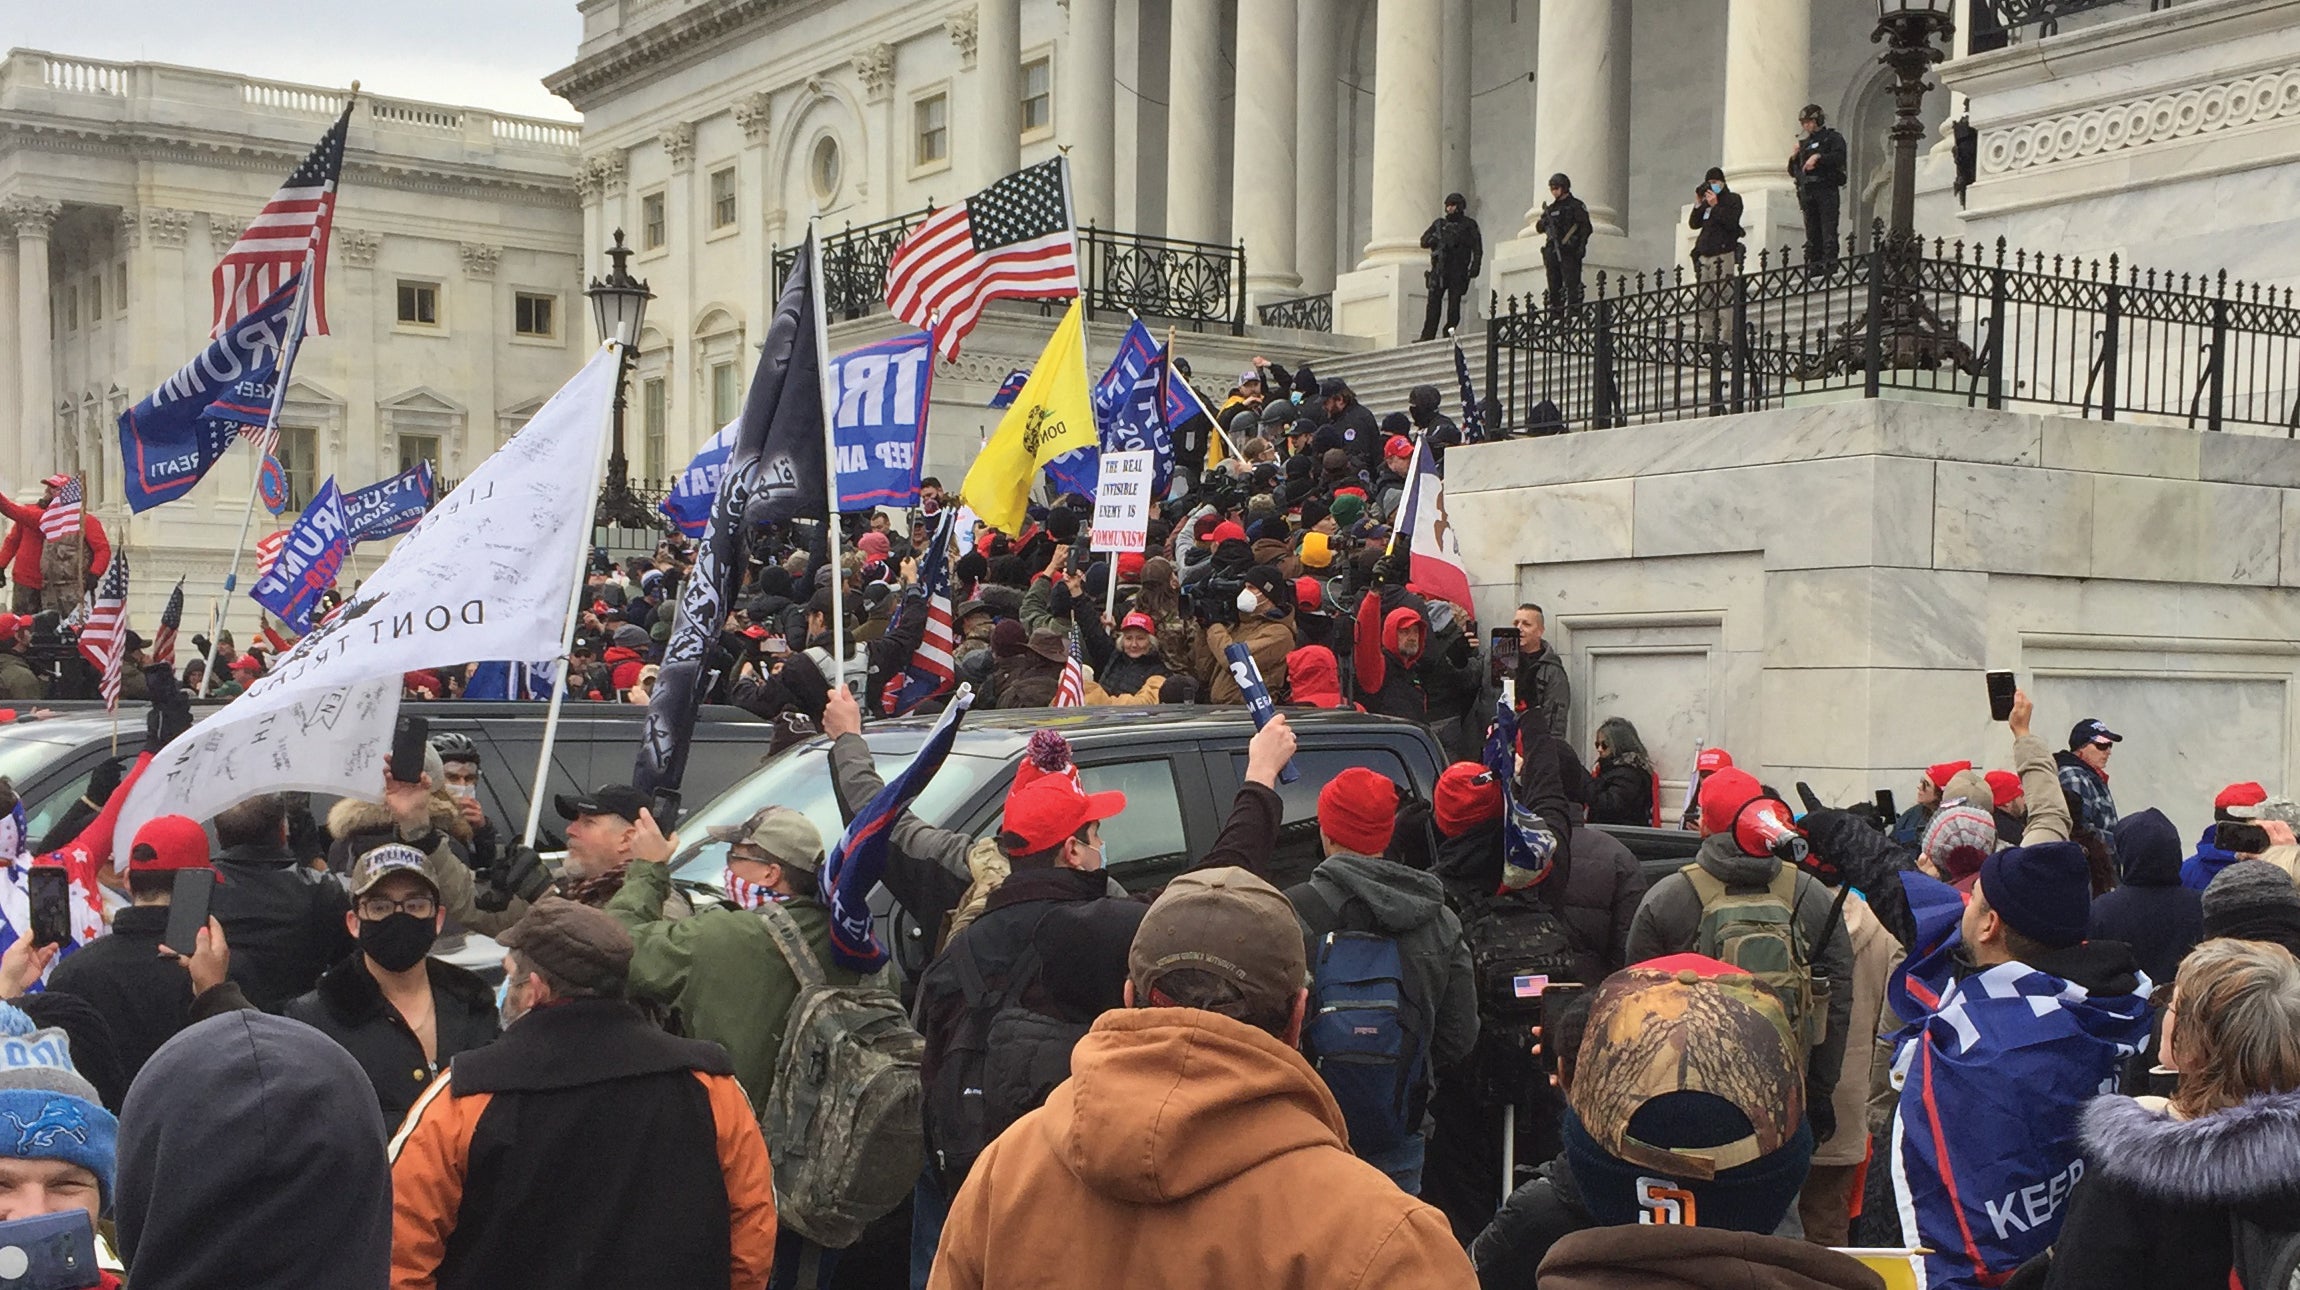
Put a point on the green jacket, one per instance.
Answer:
(720, 970)
(17, 679)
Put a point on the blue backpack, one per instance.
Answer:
(1367, 1038)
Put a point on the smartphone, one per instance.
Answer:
(1886, 805)
(1555, 999)
(2240, 836)
(50, 893)
(49, 1252)
(1501, 652)
(2000, 696)
(408, 742)
(188, 909)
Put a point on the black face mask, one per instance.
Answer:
(397, 943)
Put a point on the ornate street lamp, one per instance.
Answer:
(1908, 28)
(619, 307)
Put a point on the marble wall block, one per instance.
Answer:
(2006, 519)
(2179, 531)
(1876, 617)
(2118, 448)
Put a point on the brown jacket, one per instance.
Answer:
(1875, 955)
(1697, 1258)
(1188, 1150)
(1268, 639)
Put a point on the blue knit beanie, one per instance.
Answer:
(2043, 892)
(48, 1111)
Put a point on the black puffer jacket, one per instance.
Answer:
(1537, 1215)
(1622, 794)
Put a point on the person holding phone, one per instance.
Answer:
(145, 996)
(64, 1158)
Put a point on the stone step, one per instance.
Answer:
(1381, 378)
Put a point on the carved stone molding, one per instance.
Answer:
(874, 65)
(962, 24)
(588, 182)
(131, 223)
(607, 171)
(753, 112)
(479, 259)
(166, 226)
(32, 215)
(359, 246)
(772, 222)
(679, 145)
(2159, 118)
(223, 230)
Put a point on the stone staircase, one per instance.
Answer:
(1382, 377)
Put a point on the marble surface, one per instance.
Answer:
(1568, 522)
(2116, 448)
(2166, 760)
(2004, 519)
(1876, 617)
(2177, 531)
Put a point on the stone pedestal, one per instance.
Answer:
(1384, 304)
(1818, 589)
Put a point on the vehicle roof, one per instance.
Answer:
(77, 721)
(1005, 732)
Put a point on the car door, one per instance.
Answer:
(1298, 850)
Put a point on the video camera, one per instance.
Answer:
(1214, 599)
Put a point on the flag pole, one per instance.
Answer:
(832, 536)
(574, 614)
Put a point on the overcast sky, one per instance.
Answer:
(479, 53)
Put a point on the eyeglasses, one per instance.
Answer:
(377, 908)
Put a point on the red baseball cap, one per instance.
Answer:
(57, 481)
(1398, 446)
(1722, 796)
(1130, 567)
(1043, 812)
(1139, 621)
(169, 842)
(1227, 531)
(1713, 760)
(1942, 772)
(1308, 593)
(10, 624)
(2242, 794)
(2004, 787)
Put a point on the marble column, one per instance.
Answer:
(1768, 75)
(1408, 164)
(1194, 123)
(1581, 112)
(1455, 73)
(12, 473)
(1090, 109)
(998, 90)
(1315, 196)
(36, 381)
(1262, 158)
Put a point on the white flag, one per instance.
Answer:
(487, 574)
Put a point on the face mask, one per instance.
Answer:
(1717, 186)
(1246, 602)
(750, 895)
(503, 1009)
(468, 792)
(397, 943)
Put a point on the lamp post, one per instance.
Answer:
(1907, 27)
(619, 307)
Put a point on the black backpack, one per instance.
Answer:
(1517, 946)
(1001, 1062)
(2264, 1258)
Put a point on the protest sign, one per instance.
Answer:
(1122, 502)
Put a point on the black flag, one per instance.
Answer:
(774, 473)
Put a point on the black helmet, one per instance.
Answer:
(1559, 180)
(454, 745)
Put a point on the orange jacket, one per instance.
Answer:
(431, 1156)
(1188, 1150)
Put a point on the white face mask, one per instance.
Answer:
(468, 792)
(1246, 600)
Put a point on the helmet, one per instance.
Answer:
(454, 745)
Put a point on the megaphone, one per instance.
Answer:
(1762, 827)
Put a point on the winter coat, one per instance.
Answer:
(1180, 1154)
(1604, 885)
(1386, 676)
(21, 552)
(1565, 223)
(2209, 858)
(1624, 793)
(2096, 806)
(284, 921)
(484, 1171)
(719, 971)
(1313, 678)
(1026, 680)
(1367, 893)
(348, 1007)
(144, 997)
(1719, 225)
(1669, 922)
(17, 679)
(1118, 673)
(1829, 146)
(1456, 247)
(1875, 955)
(2160, 919)
(1543, 687)
(1697, 1258)
(1536, 1215)
(1268, 639)
(2155, 1208)
(1354, 431)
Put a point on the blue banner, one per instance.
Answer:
(858, 859)
(693, 489)
(308, 562)
(879, 420)
(1127, 406)
(389, 508)
(1259, 705)
(168, 441)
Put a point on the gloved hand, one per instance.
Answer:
(1820, 1110)
(171, 707)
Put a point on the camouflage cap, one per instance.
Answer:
(1687, 1024)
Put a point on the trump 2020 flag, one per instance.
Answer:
(878, 419)
(774, 472)
(168, 441)
(859, 860)
(694, 489)
(389, 507)
(1128, 405)
(308, 561)
(1052, 416)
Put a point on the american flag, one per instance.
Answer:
(268, 552)
(931, 669)
(290, 231)
(62, 518)
(171, 618)
(1012, 240)
(104, 638)
(1071, 691)
(1472, 418)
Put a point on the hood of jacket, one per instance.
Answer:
(2245, 1157)
(2209, 850)
(1631, 1258)
(350, 815)
(2104, 968)
(1396, 621)
(1472, 861)
(1164, 1103)
(1725, 861)
(1401, 899)
(1313, 677)
(292, 1188)
(2148, 849)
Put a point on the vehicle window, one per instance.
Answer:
(1151, 828)
(20, 759)
(41, 816)
(801, 778)
(1298, 850)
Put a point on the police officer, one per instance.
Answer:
(1457, 250)
(1564, 224)
(1818, 167)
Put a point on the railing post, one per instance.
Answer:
(2112, 325)
(1601, 414)
(1238, 285)
(1873, 356)
(1740, 350)
(1495, 425)
(1996, 368)
(2219, 351)
(1089, 245)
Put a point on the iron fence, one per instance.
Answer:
(1189, 284)
(1987, 327)
(1302, 313)
(1994, 24)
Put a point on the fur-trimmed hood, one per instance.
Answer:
(350, 815)
(2245, 1157)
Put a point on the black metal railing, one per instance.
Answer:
(1302, 313)
(1994, 24)
(1189, 284)
(1990, 327)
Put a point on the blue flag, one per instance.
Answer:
(390, 507)
(168, 441)
(696, 487)
(501, 680)
(878, 421)
(1259, 705)
(859, 860)
(308, 561)
(1128, 406)
(1010, 388)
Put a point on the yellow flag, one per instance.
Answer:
(1053, 415)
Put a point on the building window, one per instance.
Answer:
(723, 198)
(1037, 96)
(651, 222)
(299, 460)
(536, 315)
(419, 447)
(825, 169)
(418, 303)
(71, 308)
(651, 416)
(725, 391)
(932, 114)
(120, 286)
(95, 297)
